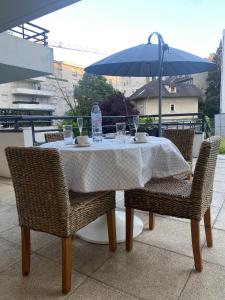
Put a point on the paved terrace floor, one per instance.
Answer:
(159, 267)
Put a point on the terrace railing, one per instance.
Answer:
(148, 122)
(31, 32)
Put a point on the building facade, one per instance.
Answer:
(178, 98)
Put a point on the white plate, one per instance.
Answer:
(142, 142)
(82, 145)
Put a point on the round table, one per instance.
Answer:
(112, 165)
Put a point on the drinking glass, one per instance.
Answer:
(80, 124)
(68, 134)
(121, 131)
(136, 123)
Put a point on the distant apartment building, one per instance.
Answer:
(127, 85)
(26, 94)
(42, 93)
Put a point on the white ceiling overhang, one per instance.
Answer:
(14, 13)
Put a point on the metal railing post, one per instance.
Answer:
(33, 132)
(16, 126)
(203, 122)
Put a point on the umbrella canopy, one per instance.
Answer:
(143, 61)
(147, 60)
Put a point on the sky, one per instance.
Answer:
(113, 25)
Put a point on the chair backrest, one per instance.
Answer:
(41, 192)
(202, 185)
(183, 139)
(53, 137)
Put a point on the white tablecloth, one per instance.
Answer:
(111, 165)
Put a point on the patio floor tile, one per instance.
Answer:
(8, 218)
(219, 186)
(5, 180)
(3, 206)
(216, 254)
(38, 239)
(218, 199)
(207, 285)
(172, 235)
(87, 257)
(43, 282)
(7, 194)
(146, 272)
(219, 177)
(220, 221)
(9, 254)
(92, 289)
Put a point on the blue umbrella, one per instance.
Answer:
(147, 60)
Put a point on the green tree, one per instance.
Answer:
(90, 89)
(211, 104)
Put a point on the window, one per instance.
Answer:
(172, 107)
(140, 108)
(172, 89)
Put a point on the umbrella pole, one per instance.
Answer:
(161, 47)
(160, 105)
(160, 85)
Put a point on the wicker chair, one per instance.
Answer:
(179, 198)
(53, 137)
(183, 139)
(45, 204)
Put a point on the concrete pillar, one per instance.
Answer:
(222, 91)
(220, 118)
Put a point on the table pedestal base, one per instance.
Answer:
(97, 232)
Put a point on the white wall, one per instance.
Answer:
(182, 105)
(222, 91)
(21, 59)
(19, 139)
(220, 125)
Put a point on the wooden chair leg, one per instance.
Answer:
(25, 238)
(66, 264)
(129, 228)
(208, 227)
(195, 235)
(151, 220)
(111, 222)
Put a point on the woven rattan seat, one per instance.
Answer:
(85, 208)
(183, 139)
(53, 137)
(179, 198)
(168, 188)
(45, 204)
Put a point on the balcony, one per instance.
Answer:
(34, 106)
(33, 92)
